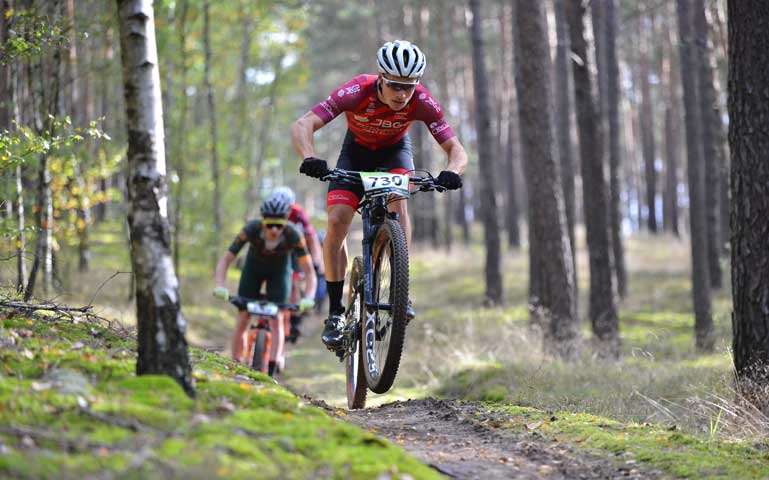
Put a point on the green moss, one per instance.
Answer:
(676, 453)
(89, 415)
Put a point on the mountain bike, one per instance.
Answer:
(259, 336)
(378, 296)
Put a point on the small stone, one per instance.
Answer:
(28, 442)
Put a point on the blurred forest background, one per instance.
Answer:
(633, 149)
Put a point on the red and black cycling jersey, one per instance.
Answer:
(374, 124)
(299, 219)
(290, 240)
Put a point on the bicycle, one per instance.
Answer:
(259, 336)
(375, 324)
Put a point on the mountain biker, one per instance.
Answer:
(271, 241)
(299, 219)
(379, 110)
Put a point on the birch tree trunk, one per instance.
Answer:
(487, 168)
(161, 325)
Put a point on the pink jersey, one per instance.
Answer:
(374, 124)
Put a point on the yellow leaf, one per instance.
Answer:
(245, 386)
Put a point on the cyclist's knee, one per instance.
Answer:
(339, 220)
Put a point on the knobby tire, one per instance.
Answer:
(390, 259)
(260, 359)
(355, 362)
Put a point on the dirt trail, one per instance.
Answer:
(458, 439)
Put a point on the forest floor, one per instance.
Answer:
(475, 396)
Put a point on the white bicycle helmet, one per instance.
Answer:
(402, 59)
(275, 206)
(286, 193)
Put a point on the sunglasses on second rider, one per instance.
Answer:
(407, 87)
(274, 223)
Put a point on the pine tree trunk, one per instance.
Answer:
(563, 89)
(648, 146)
(161, 325)
(487, 167)
(508, 149)
(612, 105)
(443, 83)
(749, 146)
(711, 137)
(603, 312)
(703, 322)
(215, 174)
(672, 137)
(556, 304)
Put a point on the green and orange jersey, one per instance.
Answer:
(290, 241)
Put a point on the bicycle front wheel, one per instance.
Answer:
(385, 323)
(261, 351)
(354, 362)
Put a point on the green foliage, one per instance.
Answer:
(30, 34)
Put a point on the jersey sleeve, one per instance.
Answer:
(302, 218)
(248, 232)
(429, 111)
(342, 99)
(296, 242)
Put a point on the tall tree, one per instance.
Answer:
(614, 144)
(508, 150)
(648, 144)
(712, 136)
(161, 325)
(703, 321)
(215, 174)
(547, 217)
(487, 167)
(749, 146)
(671, 81)
(563, 89)
(10, 112)
(603, 312)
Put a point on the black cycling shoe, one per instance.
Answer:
(410, 314)
(333, 333)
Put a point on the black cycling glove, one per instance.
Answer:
(314, 167)
(449, 180)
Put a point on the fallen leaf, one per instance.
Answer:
(534, 425)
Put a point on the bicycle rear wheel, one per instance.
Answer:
(354, 362)
(261, 351)
(385, 327)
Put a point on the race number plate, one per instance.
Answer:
(264, 309)
(383, 182)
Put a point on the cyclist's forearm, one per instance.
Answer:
(301, 137)
(317, 254)
(311, 281)
(457, 157)
(222, 265)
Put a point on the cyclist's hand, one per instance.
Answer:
(306, 304)
(222, 292)
(449, 180)
(314, 167)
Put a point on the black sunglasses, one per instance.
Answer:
(400, 86)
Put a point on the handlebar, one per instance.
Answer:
(242, 303)
(424, 184)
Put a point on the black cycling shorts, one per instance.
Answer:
(396, 158)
